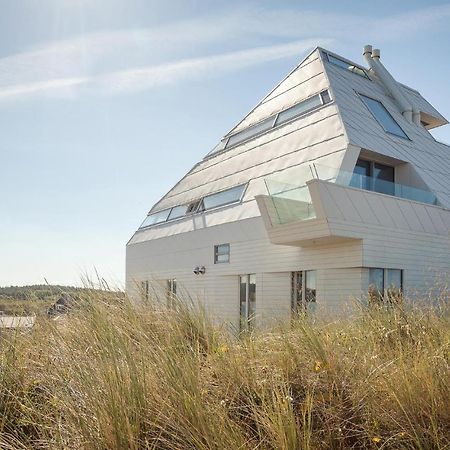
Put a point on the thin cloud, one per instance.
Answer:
(127, 60)
(196, 68)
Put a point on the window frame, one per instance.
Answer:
(383, 297)
(246, 320)
(274, 117)
(171, 292)
(370, 178)
(361, 96)
(299, 295)
(217, 254)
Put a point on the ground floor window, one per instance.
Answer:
(303, 290)
(247, 298)
(144, 290)
(171, 292)
(385, 285)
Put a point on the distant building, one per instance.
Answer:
(331, 187)
(13, 322)
(61, 306)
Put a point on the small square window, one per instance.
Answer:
(221, 253)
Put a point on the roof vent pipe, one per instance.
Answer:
(373, 60)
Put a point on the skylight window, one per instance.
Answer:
(300, 108)
(274, 120)
(153, 219)
(346, 65)
(250, 132)
(224, 198)
(177, 212)
(383, 117)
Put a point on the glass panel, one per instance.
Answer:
(346, 65)
(383, 116)
(376, 284)
(393, 284)
(250, 132)
(223, 198)
(325, 97)
(223, 249)
(383, 179)
(243, 301)
(177, 212)
(251, 300)
(220, 146)
(223, 258)
(155, 218)
(361, 173)
(296, 291)
(310, 286)
(298, 109)
(171, 292)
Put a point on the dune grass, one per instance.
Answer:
(111, 375)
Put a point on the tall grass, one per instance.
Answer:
(111, 375)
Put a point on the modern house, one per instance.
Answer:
(330, 188)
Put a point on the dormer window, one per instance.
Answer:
(383, 116)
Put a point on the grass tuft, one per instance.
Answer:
(113, 375)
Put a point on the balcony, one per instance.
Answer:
(291, 198)
(318, 204)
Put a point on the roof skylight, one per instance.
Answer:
(346, 65)
(383, 116)
(211, 201)
(273, 121)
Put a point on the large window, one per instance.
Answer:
(227, 197)
(373, 176)
(224, 198)
(274, 120)
(171, 292)
(303, 290)
(221, 253)
(153, 219)
(247, 300)
(385, 285)
(383, 116)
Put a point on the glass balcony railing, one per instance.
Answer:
(291, 200)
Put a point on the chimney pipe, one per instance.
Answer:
(373, 60)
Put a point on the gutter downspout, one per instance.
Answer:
(373, 60)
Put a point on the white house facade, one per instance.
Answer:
(330, 188)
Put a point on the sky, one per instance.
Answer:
(106, 104)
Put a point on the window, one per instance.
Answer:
(383, 116)
(373, 176)
(224, 198)
(144, 290)
(155, 218)
(300, 108)
(346, 65)
(385, 285)
(221, 253)
(250, 132)
(247, 300)
(274, 120)
(171, 292)
(303, 290)
(177, 212)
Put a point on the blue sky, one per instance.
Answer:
(105, 104)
